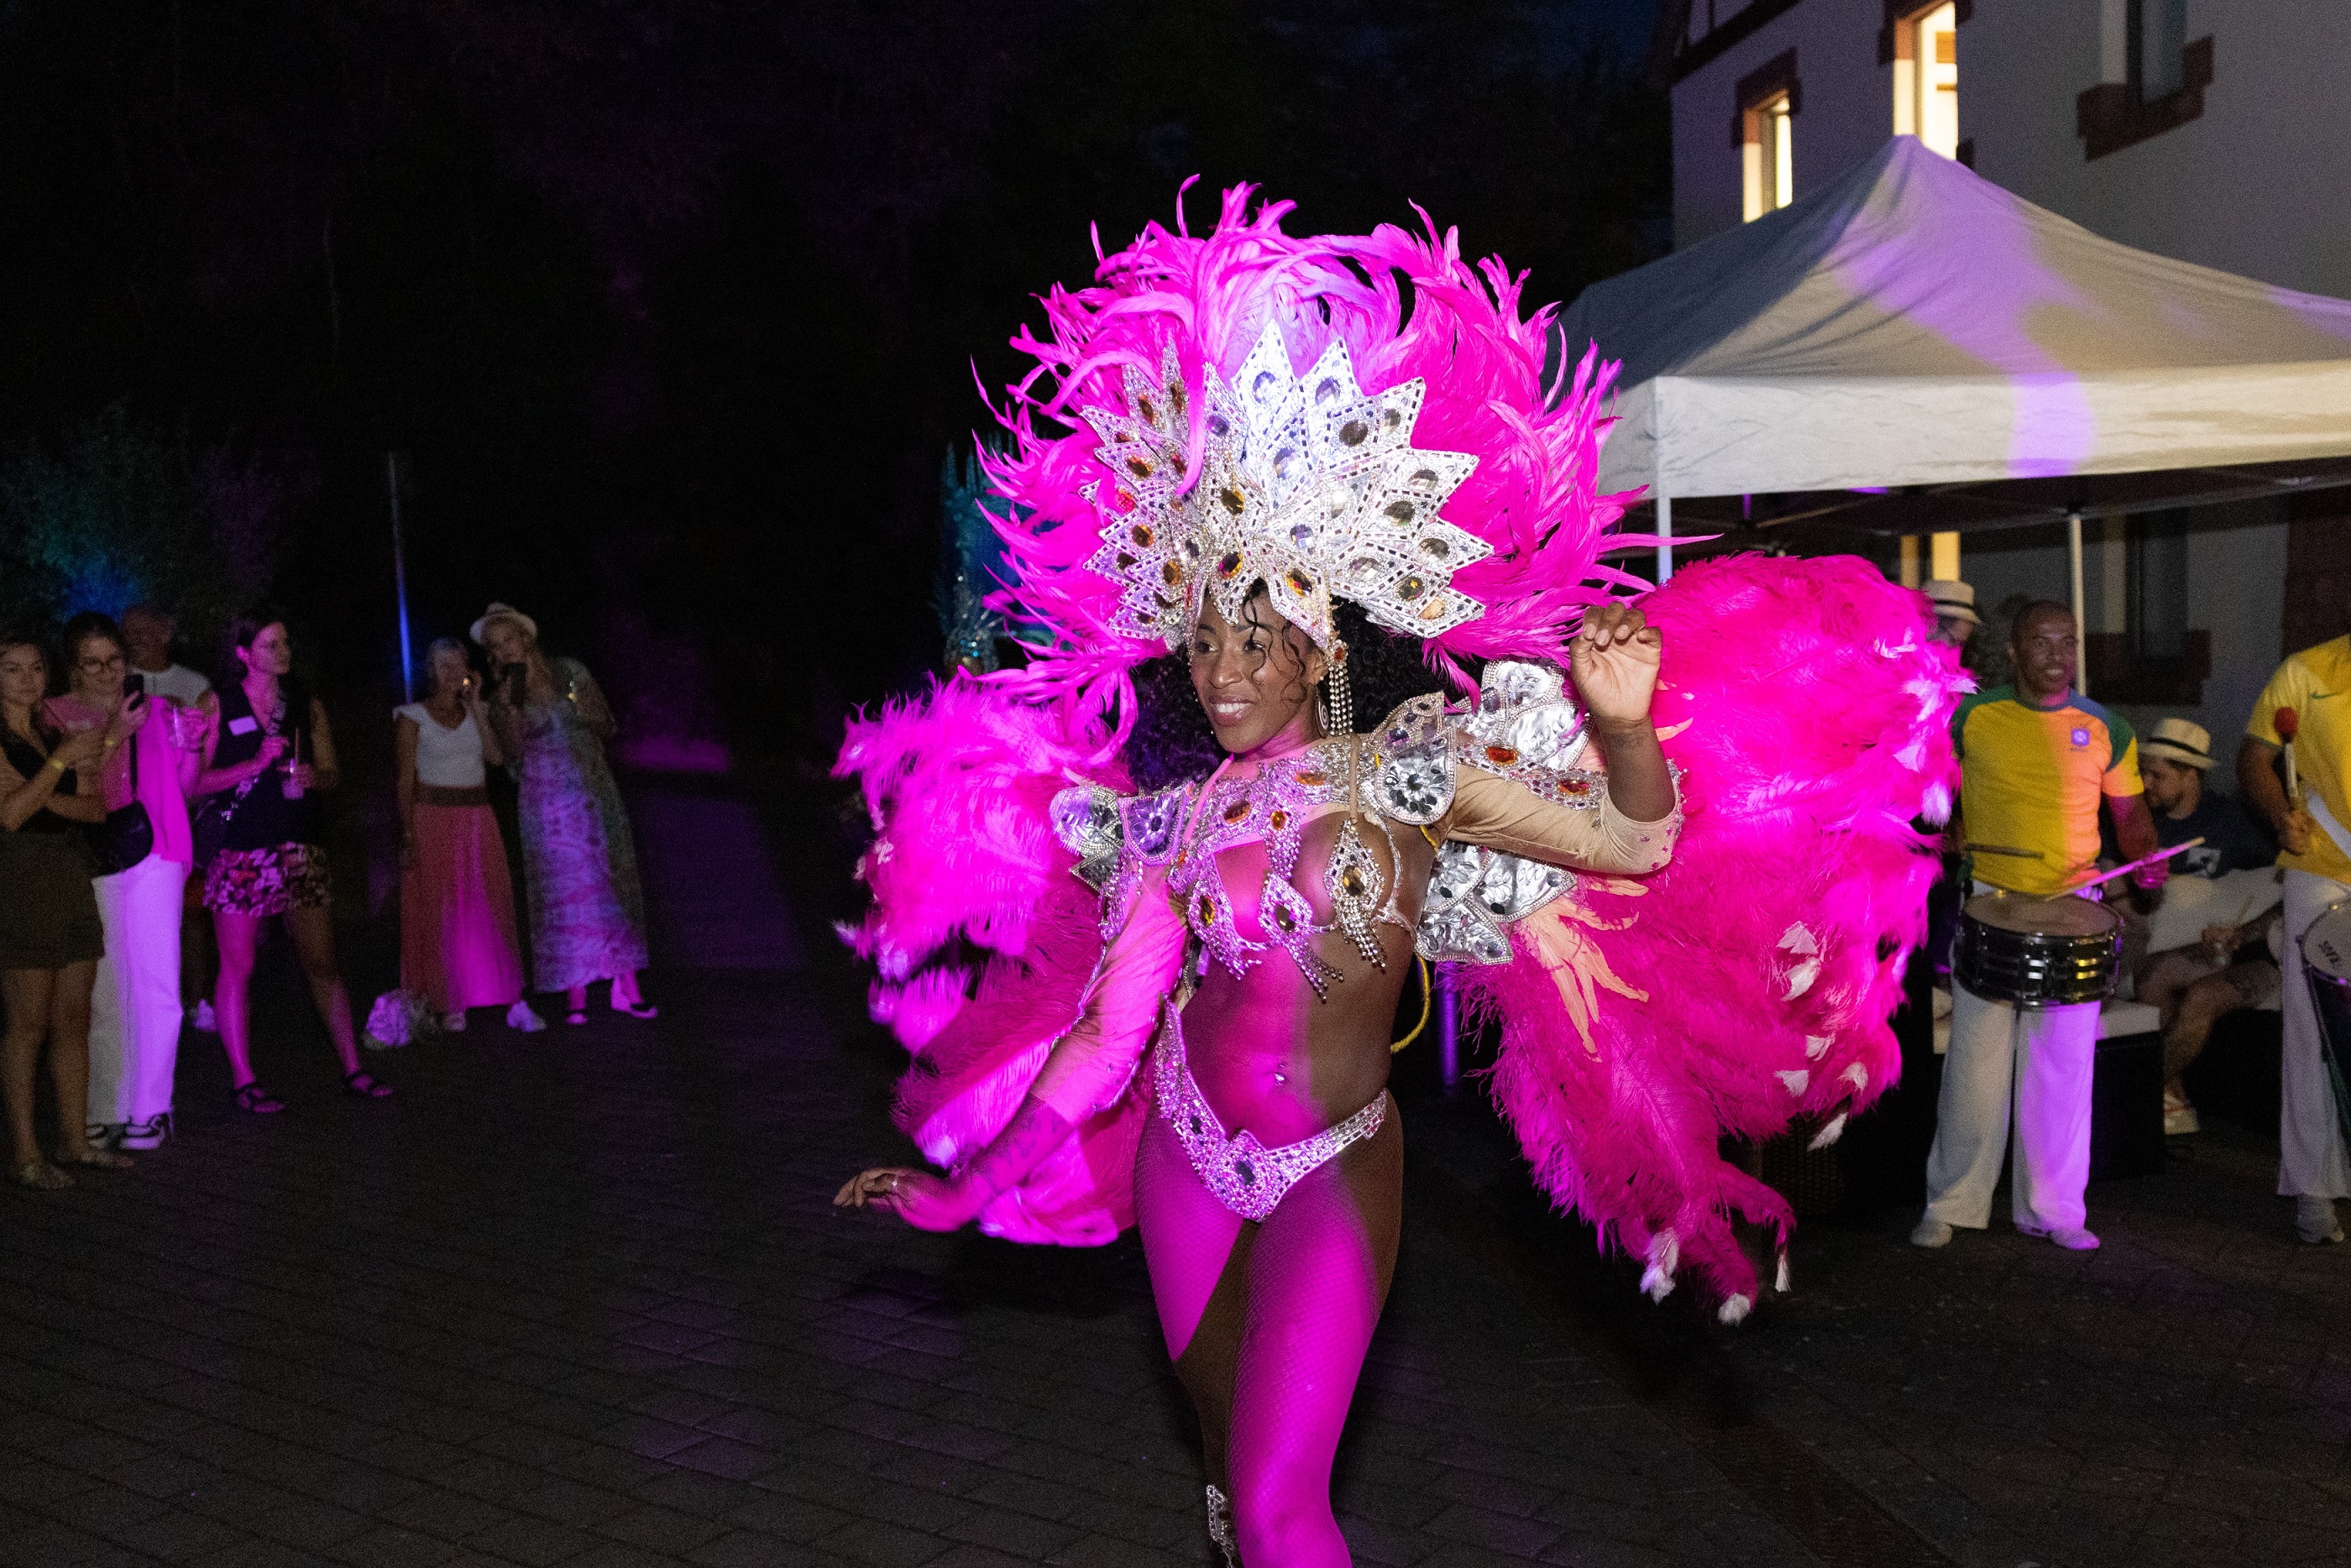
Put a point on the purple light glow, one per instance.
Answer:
(1957, 257)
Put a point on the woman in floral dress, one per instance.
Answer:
(579, 860)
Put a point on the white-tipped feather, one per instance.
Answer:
(1665, 1257)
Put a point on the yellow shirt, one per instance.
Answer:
(2316, 684)
(2031, 779)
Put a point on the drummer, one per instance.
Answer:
(2037, 758)
(2315, 835)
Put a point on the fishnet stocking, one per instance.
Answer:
(1269, 1325)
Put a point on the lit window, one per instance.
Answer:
(1926, 78)
(1771, 161)
(1764, 132)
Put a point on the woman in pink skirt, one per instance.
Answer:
(457, 941)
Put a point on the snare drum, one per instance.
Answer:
(2326, 950)
(2038, 953)
(2326, 960)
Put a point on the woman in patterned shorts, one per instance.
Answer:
(271, 750)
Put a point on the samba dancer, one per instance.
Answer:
(2036, 759)
(1228, 554)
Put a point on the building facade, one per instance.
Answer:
(2187, 127)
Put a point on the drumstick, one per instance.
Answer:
(2288, 725)
(2127, 870)
(2004, 849)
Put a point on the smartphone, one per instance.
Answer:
(516, 675)
(134, 686)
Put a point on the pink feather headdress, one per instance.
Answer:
(1358, 416)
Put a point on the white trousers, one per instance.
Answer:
(2310, 1139)
(2040, 1058)
(134, 1007)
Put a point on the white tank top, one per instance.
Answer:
(446, 759)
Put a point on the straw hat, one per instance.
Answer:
(2178, 740)
(1953, 600)
(506, 612)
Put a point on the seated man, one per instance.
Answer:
(2231, 967)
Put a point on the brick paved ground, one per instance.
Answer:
(580, 1298)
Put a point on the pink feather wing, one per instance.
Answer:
(1810, 715)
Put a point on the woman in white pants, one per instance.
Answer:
(134, 1021)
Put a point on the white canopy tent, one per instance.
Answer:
(1914, 324)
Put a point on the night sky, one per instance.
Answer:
(675, 306)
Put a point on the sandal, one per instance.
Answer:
(40, 1175)
(97, 1159)
(366, 1086)
(639, 1008)
(576, 1016)
(256, 1101)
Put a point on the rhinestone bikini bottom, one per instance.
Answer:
(1246, 1177)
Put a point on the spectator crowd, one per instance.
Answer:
(155, 822)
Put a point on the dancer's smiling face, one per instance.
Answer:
(1256, 675)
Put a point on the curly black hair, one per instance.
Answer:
(1171, 739)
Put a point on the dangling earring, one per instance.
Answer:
(1340, 717)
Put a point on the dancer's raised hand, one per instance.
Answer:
(1615, 661)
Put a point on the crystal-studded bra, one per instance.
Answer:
(1522, 728)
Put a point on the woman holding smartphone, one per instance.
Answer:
(457, 906)
(269, 751)
(50, 938)
(134, 1032)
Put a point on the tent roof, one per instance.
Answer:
(1912, 324)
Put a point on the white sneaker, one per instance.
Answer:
(1930, 1233)
(2314, 1220)
(149, 1134)
(522, 1021)
(206, 1023)
(2073, 1238)
(2180, 1117)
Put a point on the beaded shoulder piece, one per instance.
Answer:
(1115, 835)
(1524, 728)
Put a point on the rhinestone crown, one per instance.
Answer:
(1305, 485)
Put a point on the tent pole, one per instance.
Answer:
(1665, 539)
(2073, 568)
